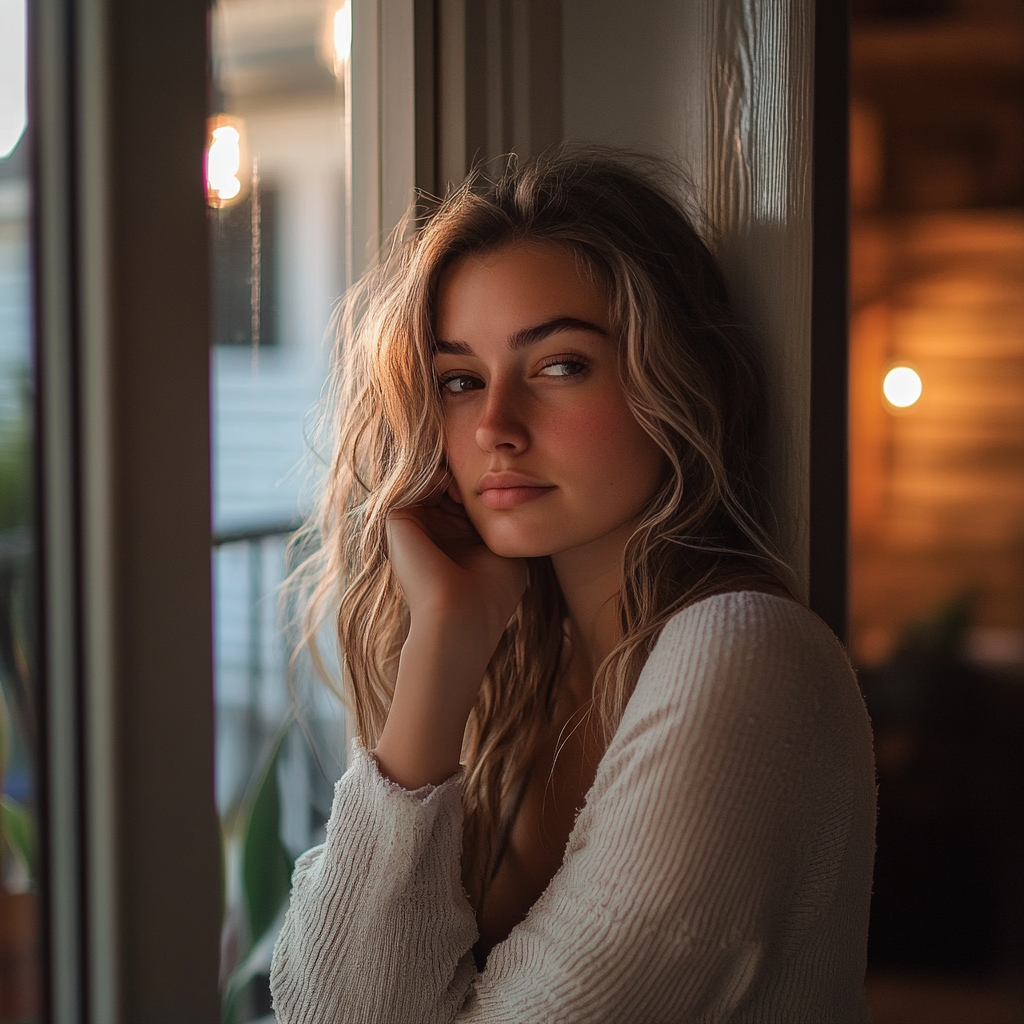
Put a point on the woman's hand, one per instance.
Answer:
(445, 568)
(460, 596)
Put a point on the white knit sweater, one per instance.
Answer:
(719, 871)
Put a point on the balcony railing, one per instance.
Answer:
(280, 748)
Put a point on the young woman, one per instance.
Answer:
(608, 768)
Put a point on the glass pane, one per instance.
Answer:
(20, 973)
(276, 177)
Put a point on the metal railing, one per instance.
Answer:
(255, 538)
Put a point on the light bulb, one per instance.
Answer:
(224, 161)
(902, 387)
(342, 35)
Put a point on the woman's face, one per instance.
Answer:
(545, 453)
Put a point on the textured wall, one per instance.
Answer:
(724, 88)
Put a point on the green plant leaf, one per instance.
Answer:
(256, 962)
(5, 737)
(16, 824)
(266, 865)
(15, 475)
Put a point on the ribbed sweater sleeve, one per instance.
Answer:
(379, 927)
(719, 871)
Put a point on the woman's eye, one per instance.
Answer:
(459, 383)
(564, 368)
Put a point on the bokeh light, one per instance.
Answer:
(223, 162)
(342, 36)
(902, 387)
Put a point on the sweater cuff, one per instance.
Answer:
(424, 795)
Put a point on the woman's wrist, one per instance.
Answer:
(440, 671)
(460, 622)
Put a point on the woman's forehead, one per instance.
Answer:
(516, 287)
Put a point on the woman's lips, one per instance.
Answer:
(511, 497)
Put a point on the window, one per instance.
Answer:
(20, 961)
(277, 234)
(244, 262)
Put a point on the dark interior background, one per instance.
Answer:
(937, 496)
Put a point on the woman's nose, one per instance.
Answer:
(502, 426)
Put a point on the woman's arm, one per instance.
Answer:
(720, 870)
(379, 928)
(460, 597)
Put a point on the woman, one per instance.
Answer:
(608, 769)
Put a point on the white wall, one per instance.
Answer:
(723, 88)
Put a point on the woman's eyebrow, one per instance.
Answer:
(531, 335)
(525, 337)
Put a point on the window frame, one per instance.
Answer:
(122, 312)
(119, 102)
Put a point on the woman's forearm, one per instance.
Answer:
(460, 597)
(442, 664)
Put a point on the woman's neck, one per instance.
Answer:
(591, 578)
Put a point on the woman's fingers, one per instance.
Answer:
(440, 560)
(424, 571)
(440, 484)
(446, 522)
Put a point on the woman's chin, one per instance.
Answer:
(510, 544)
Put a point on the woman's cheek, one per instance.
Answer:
(594, 431)
(459, 453)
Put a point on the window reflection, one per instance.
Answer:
(277, 266)
(20, 964)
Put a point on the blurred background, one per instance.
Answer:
(20, 974)
(937, 496)
(277, 189)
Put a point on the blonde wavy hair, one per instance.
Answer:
(691, 381)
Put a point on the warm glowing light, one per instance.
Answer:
(229, 188)
(224, 162)
(342, 36)
(902, 387)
